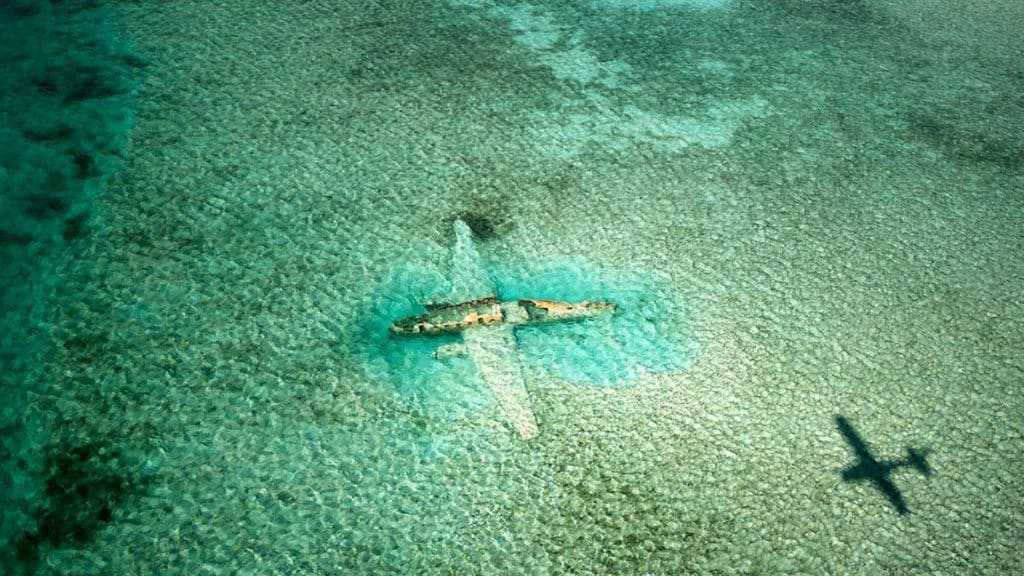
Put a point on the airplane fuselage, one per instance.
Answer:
(455, 318)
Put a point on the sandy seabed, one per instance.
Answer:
(829, 201)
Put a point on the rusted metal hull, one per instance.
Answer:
(455, 318)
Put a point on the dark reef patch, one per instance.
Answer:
(85, 484)
(483, 227)
(965, 143)
(489, 215)
(76, 227)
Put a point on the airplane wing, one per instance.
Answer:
(493, 350)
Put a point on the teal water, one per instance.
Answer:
(649, 333)
(809, 213)
(64, 118)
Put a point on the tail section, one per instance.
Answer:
(469, 279)
(917, 459)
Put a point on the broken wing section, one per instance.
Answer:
(493, 350)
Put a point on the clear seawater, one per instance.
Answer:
(810, 214)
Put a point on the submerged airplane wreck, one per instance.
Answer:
(486, 325)
(454, 318)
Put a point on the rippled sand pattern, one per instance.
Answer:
(810, 212)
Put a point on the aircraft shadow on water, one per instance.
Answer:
(878, 472)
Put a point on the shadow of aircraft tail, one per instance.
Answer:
(916, 458)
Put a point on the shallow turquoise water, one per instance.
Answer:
(808, 212)
(649, 333)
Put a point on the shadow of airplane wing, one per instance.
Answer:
(860, 448)
(891, 492)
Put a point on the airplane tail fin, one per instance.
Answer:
(917, 459)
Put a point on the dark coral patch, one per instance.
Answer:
(85, 484)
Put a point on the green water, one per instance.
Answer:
(64, 118)
(808, 212)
